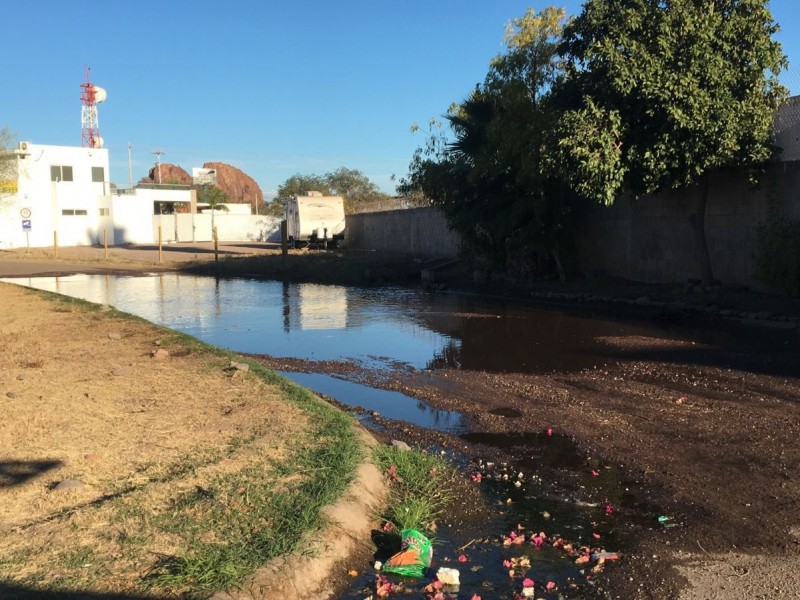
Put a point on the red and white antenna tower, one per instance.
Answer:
(91, 96)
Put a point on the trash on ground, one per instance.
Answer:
(414, 557)
(448, 576)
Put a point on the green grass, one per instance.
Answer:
(252, 519)
(420, 487)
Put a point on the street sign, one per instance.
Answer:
(25, 213)
(26, 225)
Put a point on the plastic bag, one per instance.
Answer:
(414, 557)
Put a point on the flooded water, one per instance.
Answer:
(374, 327)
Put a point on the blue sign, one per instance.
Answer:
(26, 224)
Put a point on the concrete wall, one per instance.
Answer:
(651, 239)
(421, 232)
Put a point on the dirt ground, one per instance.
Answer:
(105, 420)
(707, 434)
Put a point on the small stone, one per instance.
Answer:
(402, 446)
(240, 366)
(11, 394)
(114, 335)
(119, 371)
(20, 377)
(92, 457)
(69, 484)
(160, 354)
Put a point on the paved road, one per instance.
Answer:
(92, 259)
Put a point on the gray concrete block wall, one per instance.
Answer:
(420, 232)
(651, 239)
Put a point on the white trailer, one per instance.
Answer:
(314, 219)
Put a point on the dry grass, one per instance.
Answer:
(84, 399)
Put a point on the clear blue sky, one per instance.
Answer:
(274, 88)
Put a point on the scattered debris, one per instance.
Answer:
(414, 557)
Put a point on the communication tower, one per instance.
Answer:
(91, 96)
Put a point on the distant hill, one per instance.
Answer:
(238, 185)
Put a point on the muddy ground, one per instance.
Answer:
(707, 435)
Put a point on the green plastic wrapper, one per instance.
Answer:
(414, 557)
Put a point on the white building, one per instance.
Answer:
(61, 195)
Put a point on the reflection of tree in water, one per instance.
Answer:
(448, 357)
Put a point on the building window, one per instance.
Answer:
(70, 212)
(104, 212)
(98, 175)
(60, 173)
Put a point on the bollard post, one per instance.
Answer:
(105, 242)
(216, 246)
(160, 256)
(55, 243)
(284, 238)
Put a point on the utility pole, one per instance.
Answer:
(158, 154)
(130, 168)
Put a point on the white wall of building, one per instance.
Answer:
(84, 212)
(66, 202)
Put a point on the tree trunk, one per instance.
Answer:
(697, 218)
(562, 276)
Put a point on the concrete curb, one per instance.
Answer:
(303, 576)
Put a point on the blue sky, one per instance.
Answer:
(272, 88)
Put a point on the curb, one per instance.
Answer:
(305, 574)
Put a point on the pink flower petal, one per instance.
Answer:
(527, 582)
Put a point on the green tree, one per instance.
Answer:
(215, 198)
(355, 187)
(661, 93)
(495, 180)
(8, 164)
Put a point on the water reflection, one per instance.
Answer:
(376, 327)
(389, 404)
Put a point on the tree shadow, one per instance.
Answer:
(17, 472)
(19, 592)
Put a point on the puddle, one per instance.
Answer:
(387, 403)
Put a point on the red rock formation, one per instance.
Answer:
(238, 185)
(169, 174)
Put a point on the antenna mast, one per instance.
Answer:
(91, 96)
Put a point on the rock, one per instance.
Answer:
(11, 394)
(238, 185)
(168, 173)
(402, 446)
(160, 354)
(240, 366)
(69, 484)
(114, 335)
(20, 377)
(91, 457)
(119, 371)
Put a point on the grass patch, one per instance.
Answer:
(239, 521)
(420, 487)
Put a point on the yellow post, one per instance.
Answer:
(216, 246)
(159, 244)
(105, 242)
(55, 243)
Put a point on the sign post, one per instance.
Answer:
(25, 213)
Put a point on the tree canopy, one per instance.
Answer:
(355, 187)
(8, 163)
(628, 97)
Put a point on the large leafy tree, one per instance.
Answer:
(659, 93)
(496, 180)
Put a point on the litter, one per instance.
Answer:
(414, 557)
